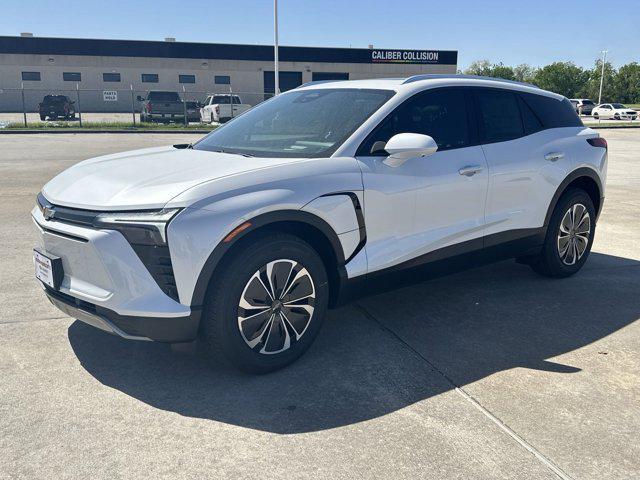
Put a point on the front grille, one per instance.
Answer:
(154, 257)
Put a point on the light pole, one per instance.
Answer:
(276, 75)
(604, 59)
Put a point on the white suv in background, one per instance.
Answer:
(247, 236)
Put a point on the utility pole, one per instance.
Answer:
(276, 74)
(604, 59)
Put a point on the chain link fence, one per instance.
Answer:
(117, 107)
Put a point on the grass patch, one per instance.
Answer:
(106, 126)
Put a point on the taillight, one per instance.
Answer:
(597, 142)
(149, 107)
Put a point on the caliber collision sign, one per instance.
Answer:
(404, 56)
(110, 95)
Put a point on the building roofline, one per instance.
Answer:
(216, 51)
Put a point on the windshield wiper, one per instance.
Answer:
(248, 155)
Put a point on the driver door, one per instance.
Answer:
(417, 208)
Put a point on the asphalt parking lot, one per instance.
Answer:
(491, 373)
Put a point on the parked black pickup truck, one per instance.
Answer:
(161, 107)
(56, 106)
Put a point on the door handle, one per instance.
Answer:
(470, 171)
(554, 156)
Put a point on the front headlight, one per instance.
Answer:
(139, 228)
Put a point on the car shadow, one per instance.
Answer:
(367, 360)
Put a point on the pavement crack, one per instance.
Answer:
(469, 398)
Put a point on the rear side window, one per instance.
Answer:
(531, 122)
(442, 114)
(551, 112)
(499, 115)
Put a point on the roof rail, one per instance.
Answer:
(435, 76)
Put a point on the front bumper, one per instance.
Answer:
(163, 329)
(106, 284)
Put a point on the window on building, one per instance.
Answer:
(111, 77)
(442, 114)
(72, 76)
(222, 80)
(31, 76)
(499, 115)
(317, 76)
(187, 78)
(149, 78)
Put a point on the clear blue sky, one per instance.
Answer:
(535, 32)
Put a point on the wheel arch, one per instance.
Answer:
(309, 227)
(584, 178)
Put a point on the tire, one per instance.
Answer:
(595, 115)
(558, 258)
(255, 340)
(616, 117)
(43, 117)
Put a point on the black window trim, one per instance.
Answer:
(472, 113)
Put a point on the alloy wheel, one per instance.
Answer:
(573, 235)
(276, 306)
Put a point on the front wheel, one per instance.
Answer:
(266, 306)
(616, 117)
(569, 236)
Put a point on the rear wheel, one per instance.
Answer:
(616, 117)
(595, 115)
(266, 305)
(569, 236)
(43, 117)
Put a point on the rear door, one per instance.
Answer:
(424, 204)
(527, 161)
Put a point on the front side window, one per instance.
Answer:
(618, 105)
(499, 115)
(298, 124)
(441, 113)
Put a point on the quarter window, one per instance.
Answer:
(553, 113)
(499, 115)
(442, 114)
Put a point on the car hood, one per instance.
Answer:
(145, 179)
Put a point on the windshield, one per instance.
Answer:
(587, 102)
(305, 124)
(618, 105)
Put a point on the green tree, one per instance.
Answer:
(524, 73)
(479, 67)
(485, 68)
(592, 87)
(626, 84)
(564, 78)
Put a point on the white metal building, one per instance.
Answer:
(129, 68)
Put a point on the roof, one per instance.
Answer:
(418, 82)
(220, 51)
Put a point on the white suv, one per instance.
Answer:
(247, 236)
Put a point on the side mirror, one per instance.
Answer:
(139, 98)
(403, 146)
